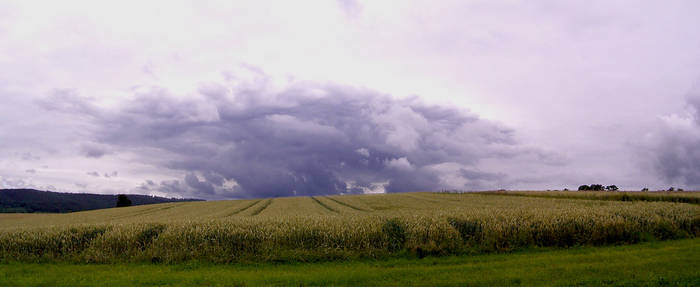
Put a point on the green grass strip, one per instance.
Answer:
(668, 263)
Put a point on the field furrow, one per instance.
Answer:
(244, 208)
(258, 209)
(346, 204)
(323, 205)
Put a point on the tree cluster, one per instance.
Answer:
(598, 187)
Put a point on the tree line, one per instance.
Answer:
(600, 187)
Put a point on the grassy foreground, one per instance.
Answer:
(668, 263)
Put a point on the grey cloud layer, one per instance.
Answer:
(674, 148)
(306, 139)
(582, 80)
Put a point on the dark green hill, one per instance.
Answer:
(30, 200)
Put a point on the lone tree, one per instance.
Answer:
(611, 187)
(584, 187)
(123, 200)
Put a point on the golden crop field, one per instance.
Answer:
(338, 227)
(670, 196)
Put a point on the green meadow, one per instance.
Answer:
(667, 263)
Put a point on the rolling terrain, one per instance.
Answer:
(338, 227)
(31, 200)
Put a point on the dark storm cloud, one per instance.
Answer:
(307, 139)
(674, 147)
(480, 179)
(202, 186)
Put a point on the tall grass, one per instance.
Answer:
(374, 228)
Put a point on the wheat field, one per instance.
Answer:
(668, 196)
(338, 227)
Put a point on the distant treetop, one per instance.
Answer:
(123, 200)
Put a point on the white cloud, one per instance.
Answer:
(401, 163)
(362, 151)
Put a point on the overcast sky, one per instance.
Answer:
(225, 99)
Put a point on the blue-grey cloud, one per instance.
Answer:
(307, 139)
(110, 174)
(93, 150)
(673, 148)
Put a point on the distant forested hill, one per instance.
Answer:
(30, 200)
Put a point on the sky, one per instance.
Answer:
(244, 99)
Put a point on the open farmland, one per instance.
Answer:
(337, 227)
(668, 196)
